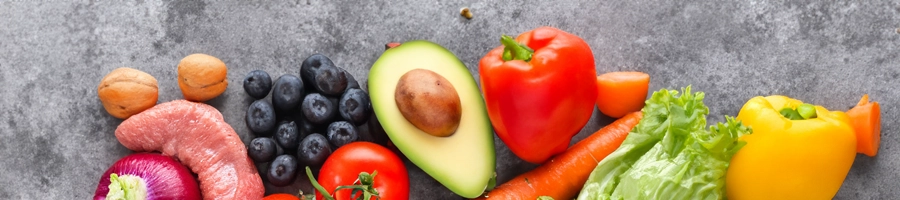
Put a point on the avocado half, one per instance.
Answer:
(463, 162)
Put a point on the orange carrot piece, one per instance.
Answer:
(620, 93)
(563, 176)
(866, 121)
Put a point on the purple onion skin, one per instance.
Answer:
(165, 177)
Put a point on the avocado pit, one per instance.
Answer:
(429, 101)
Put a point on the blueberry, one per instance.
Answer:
(307, 127)
(288, 135)
(257, 84)
(287, 93)
(331, 81)
(261, 117)
(318, 109)
(262, 149)
(282, 170)
(292, 115)
(351, 82)
(323, 76)
(355, 106)
(314, 149)
(341, 133)
(309, 67)
(364, 133)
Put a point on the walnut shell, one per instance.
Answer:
(202, 77)
(126, 91)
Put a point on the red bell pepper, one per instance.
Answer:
(540, 90)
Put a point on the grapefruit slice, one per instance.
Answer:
(198, 136)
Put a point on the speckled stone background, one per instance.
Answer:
(56, 139)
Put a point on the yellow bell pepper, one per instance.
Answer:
(790, 158)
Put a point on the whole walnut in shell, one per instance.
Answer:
(126, 91)
(202, 77)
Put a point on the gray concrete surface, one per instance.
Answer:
(56, 139)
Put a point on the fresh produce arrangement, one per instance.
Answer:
(310, 115)
(187, 134)
(423, 106)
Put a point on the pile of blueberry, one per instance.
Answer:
(308, 116)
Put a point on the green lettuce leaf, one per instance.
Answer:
(670, 154)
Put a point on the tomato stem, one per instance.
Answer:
(317, 185)
(366, 186)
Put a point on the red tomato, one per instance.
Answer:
(281, 196)
(345, 164)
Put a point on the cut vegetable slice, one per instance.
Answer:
(866, 121)
(620, 93)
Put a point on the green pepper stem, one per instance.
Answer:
(807, 111)
(790, 114)
(803, 111)
(513, 50)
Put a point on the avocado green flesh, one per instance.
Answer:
(463, 162)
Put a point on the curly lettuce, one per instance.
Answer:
(670, 154)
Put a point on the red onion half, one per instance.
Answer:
(157, 176)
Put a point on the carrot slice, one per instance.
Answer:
(621, 93)
(866, 121)
(563, 176)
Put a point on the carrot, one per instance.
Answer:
(866, 121)
(563, 176)
(620, 93)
